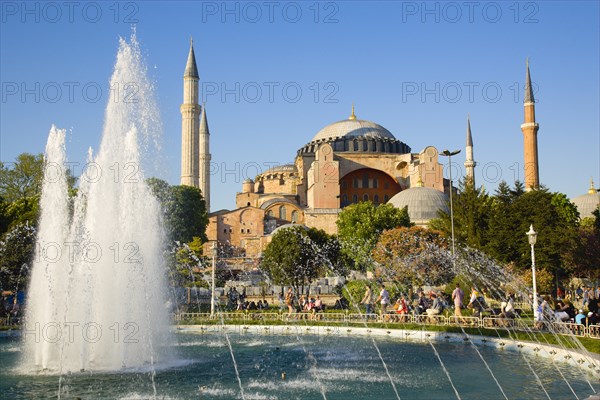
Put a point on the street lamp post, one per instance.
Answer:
(449, 154)
(214, 267)
(532, 235)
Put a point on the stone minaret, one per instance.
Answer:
(530, 130)
(190, 113)
(469, 162)
(204, 159)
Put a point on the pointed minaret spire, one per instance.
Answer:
(530, 129)
(469, 162)
(592, 189)
(190, 113)
(190, 67)
(204, 158)
(469, 138)
(352, 116)
(203, 122)
(528, 88)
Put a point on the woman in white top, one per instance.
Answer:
(384, 297)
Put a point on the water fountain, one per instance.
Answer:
(95, 300)
(96, 313)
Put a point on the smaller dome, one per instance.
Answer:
(587, 203)
(423, 203)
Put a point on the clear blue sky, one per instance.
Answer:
(416, 68)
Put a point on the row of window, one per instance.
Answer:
(364, 183)
(283, 214)
(365, 197)
(242, 230)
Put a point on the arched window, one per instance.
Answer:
(375, 183)
(355, 183)
(385, 198)
(365, 181)
(344, 200)
(282, 213)
(248, 204)
(294, 216)
(376, 199)
(365, 197)
(354, 198)
(344, 185)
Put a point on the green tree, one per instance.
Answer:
(24, 179)
(292, 258)
(582, 258)
(552, 218)
(518, 189)
(20, 193)
(329, 251)
(21, 189)
(4, 216)
(16, 254)
(359, 227)
(471, 208)
(502, 243)
(414, 256)
(185, 264)
(186, 214)
(184, 210)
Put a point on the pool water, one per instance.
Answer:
(315, 367)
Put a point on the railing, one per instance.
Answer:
(569, 328)
(592, 331)
(463, 321)
(498, 322)
(425, 319)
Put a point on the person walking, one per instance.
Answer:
(289, 301)
(368, 301)
(457, 296)
(384, 297)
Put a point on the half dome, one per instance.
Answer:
(423, 203)
(587, 203)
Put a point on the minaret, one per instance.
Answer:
(190, 113)
(530, 130)
(469, 162)
(204, 159)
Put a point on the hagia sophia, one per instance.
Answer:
(346, 162)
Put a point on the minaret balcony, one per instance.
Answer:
(530, 125)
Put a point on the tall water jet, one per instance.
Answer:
(96, 298)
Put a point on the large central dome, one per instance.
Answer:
(353, 128)
(357, 136)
